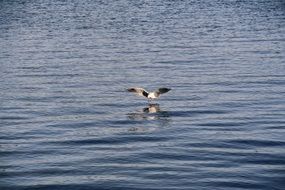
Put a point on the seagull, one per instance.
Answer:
(149, 95)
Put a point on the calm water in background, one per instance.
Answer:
(68, 123)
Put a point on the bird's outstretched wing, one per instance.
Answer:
(138, 91)
(162, 90)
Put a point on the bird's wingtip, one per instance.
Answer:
(130, 89)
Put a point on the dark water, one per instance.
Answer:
(68, 123)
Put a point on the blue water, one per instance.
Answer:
(67, 122)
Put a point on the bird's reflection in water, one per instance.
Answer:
(152, 112)
(152, 108)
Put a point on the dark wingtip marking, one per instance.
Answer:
(131, 90)
(164, 90)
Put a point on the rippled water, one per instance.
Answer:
(68, 123)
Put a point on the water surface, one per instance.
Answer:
(68, 123)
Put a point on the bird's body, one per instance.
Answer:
(153, 95)
(149, 95)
